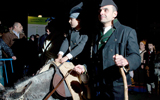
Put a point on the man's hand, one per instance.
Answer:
(14, 57)
(142, 66)
(64, 59)
(120, 60)
(79, 69)
(59, 58)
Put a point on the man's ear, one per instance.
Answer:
(115, 13)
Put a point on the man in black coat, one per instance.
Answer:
(43, 38)
(114, 38)
(149, 58)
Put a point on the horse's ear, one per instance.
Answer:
(19, 92)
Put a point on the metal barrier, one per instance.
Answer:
(7, 59)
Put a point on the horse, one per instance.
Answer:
(40, 85)
(32, 88)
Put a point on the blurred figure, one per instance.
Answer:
(32, 38)
(10, 28)
(139, 73)
(37, 36)
(32, 61)
(2, 30)
(16, 39)
(157, 67)
(51, 41)
(37, 40)
(4, 46)
(149, 58)
(43, 38)
(16, 33)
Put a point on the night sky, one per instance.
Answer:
(142, 15)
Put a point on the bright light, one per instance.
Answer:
(39, 15)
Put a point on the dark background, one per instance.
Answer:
(142, 15)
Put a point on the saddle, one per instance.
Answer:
(72, 86)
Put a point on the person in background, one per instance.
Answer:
(37, 40)
(37, 36)
(139, 73)
(16, 33)
(42, 39)
(33, 61)
(17, 41)
(10, 28)
(149, 58)
(8, 50)
(2, 29)
(32, 38)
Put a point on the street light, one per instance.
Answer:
(39, 15)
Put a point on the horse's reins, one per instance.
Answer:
(59, 81)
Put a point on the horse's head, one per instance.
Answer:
(35, 87)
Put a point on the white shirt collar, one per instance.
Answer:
(106, 29)
(150, 51)
(17, 34)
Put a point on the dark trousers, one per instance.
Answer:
(111, 93)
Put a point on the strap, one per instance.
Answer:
(50, 43)
(58, 83)
(142, 51)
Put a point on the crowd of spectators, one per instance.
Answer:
(148, 73)
(25, 50)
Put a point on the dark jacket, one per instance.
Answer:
(123, 41)
(6, 48)
(41, 42)
(150, 60)
(9, 38)
(76, 40)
